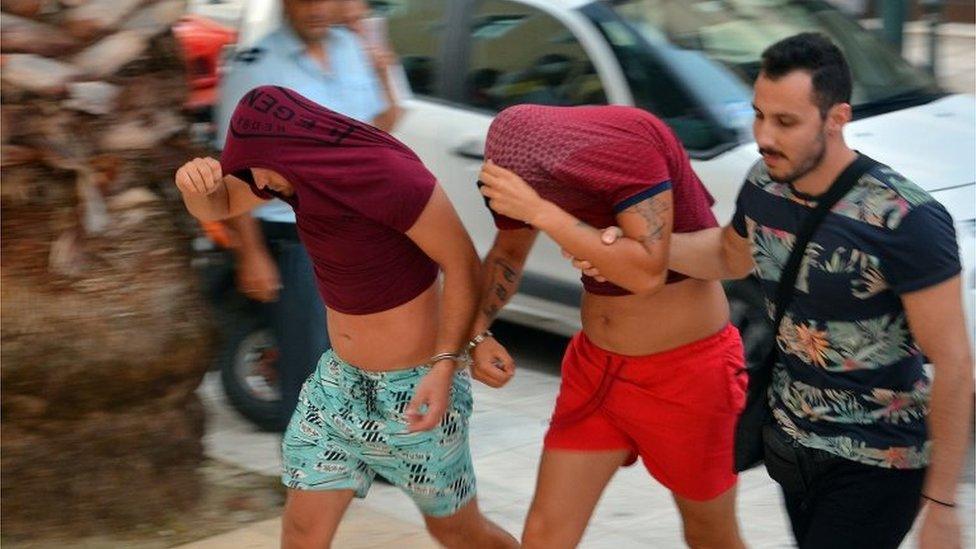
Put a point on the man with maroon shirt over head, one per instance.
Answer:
(387, 398)
(656, 372)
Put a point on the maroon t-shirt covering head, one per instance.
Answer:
(596, 161)
(357, 191)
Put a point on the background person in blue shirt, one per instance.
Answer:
(330, 65)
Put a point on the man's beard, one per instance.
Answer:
(809, 164)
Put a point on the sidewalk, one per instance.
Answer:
(506, 438)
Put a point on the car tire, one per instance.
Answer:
(258, 401)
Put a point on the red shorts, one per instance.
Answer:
(675, 409)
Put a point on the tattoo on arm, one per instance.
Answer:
(500, 292)
(504, 279)
(507, 271)
(654, 213)
(490, 310)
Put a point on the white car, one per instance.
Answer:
(689, 62)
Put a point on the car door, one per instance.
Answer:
(427, 35)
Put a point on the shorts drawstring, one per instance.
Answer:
(607, 379)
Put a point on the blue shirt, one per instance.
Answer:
(850, 378)
(349, 87)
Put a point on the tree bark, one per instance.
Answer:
(105, 333)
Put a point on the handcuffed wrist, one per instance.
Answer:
(478, 339)
(454, 358)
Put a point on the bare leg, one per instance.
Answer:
(570, 485)
(312, 517)
(469, 528)
(711, 524)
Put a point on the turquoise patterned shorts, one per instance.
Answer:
(349, 426)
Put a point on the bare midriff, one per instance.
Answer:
(398, 338)
(637, 325)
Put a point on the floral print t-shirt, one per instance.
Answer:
(850, 378)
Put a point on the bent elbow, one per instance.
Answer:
(651, 285)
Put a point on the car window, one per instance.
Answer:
(735, 32)
(519, 54)
(678, 85)
(417, 30)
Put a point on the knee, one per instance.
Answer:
(299, 534)
(449, 535)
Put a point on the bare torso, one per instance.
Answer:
(398, 338)
(405, 336)
(637, 325)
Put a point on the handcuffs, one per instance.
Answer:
(462, 358)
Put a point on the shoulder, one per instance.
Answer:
(885, 197)
(759, 195)
(884, 177)
(757, 178)
(404, 166)
(258, 54)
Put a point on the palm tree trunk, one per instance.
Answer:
(105, 333)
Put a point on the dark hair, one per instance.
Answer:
(816, 54)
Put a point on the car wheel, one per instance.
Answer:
(249, 374)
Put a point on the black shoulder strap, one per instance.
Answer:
(842, 185)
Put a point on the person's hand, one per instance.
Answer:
(381, 58)
(608, 237)
(434, 391)
(491, 363)
(940, 528)
(257, 276)
(509, 194)
(200, 176)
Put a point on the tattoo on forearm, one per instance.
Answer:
(490, 310)
(501, 292)
(501, 286)
(507, 271)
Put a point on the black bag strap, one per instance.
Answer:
(842, 185)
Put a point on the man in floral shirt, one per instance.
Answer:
(861, 435)
(878, 286)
